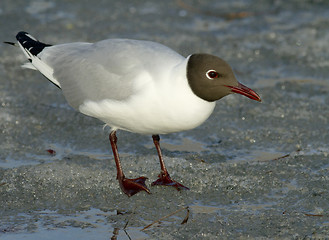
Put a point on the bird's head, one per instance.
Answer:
(211, 78)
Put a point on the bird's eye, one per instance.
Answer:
(211, 74)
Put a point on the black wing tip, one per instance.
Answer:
(21, 36)
(10, 43)
(21, 33)
(30, 43)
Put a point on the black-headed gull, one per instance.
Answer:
(138, 86)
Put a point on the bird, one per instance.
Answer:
(138, 86)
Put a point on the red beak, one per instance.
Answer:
(243, 90)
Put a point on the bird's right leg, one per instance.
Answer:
(164, 177)
(128, 186)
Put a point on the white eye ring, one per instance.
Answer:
(213, 72)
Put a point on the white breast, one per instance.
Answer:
(161, 106)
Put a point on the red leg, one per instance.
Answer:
(164, 177)
(128, 186)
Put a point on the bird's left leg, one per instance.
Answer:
(127, 185)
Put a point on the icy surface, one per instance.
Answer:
(255, 170)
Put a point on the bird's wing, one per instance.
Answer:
(110, 69)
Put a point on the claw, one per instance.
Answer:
(133, 186)
(165, 180)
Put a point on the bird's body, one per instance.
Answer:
(138, 86)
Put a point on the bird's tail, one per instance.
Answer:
(32, 49)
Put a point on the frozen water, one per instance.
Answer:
(84, 225)
(255, 170)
